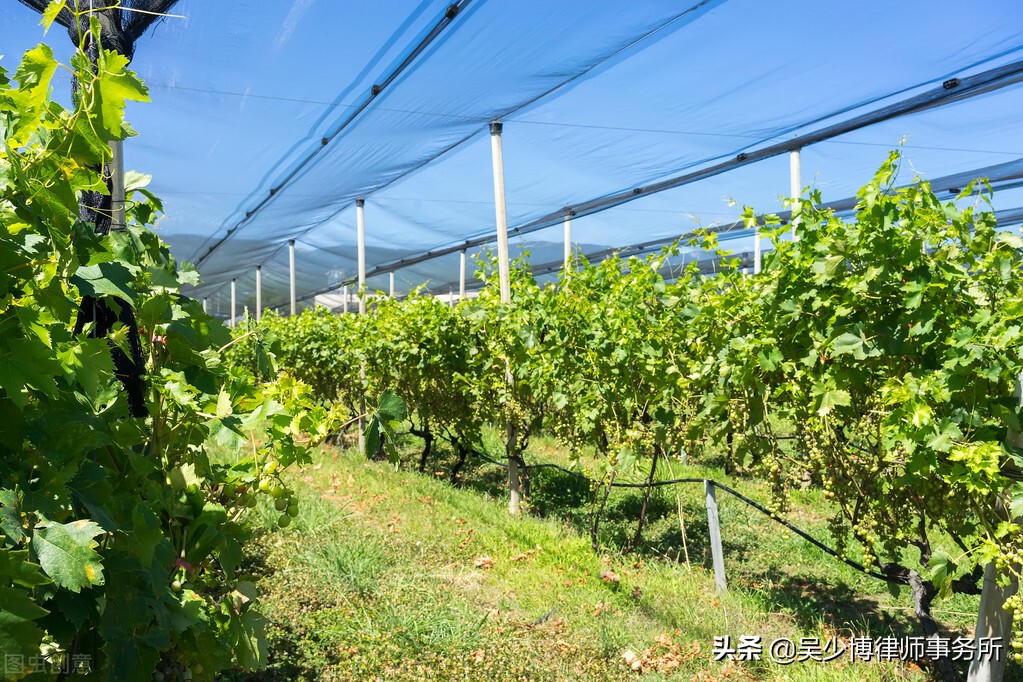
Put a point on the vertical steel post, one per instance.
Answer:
(503, 268)
(714, 531)
(259, 292)
(461, 275)
(119, 221)
(233, 302)
(756, 248)
(360, 226)
(291, 268)
(504, 276)
(204, 307)
(568, 238)
(392, 285)
(994, 623)
(795, 186)
(345, 290)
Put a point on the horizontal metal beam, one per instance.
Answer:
(952, 90)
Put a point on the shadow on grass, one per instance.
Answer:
(807, 599)
(802, 595)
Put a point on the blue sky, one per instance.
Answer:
(625, 94)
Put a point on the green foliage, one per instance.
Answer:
(875, 357)
(120, 537)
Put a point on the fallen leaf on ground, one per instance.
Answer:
(609, 576)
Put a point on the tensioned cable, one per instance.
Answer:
(951, 90)
(563, 124)
(739, 496)
(430, 159)
(452, 11)
(1008, 172)
(1002, 176)
(701, 5)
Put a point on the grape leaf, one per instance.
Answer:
(115, 84)
(89, 362)
(51, 12)
(10, 516)
(27, 363)
(66, 552)
(102, 279)
(849, 343)
(19, 636)
(15, 566)
(33, 76)
(390, 407)
(251, 651)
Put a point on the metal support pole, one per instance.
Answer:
(461, 276)
(259, 292)
(204, 307)
(233, 303)
(360, 225)
(291, 267)
(756, 249)
(795, 186)
(504, 276)
(568, 238)
(994, 623)
(392, 285)
(345, 289)
(503, 268)
(119, 221)
(714, 531)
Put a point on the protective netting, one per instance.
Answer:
(597, 102)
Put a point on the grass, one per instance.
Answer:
(391, 574)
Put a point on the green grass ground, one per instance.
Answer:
(391, 574)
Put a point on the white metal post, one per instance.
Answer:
(714, 530)
(392, 285)
(461, 276)
(204, 307)
(994, 623)
(233, 303)
(291, 266)
(756, 248)
(504, 276)
(503, 268)
(118, 220)
(259, 292)
(345, 289)
(360, 225)
(568, 238)
(795, 186)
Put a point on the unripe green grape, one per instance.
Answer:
(176, 585)
(280, 504)
(284, 521)
(265, 485)
(293, 510)
(278, 491)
